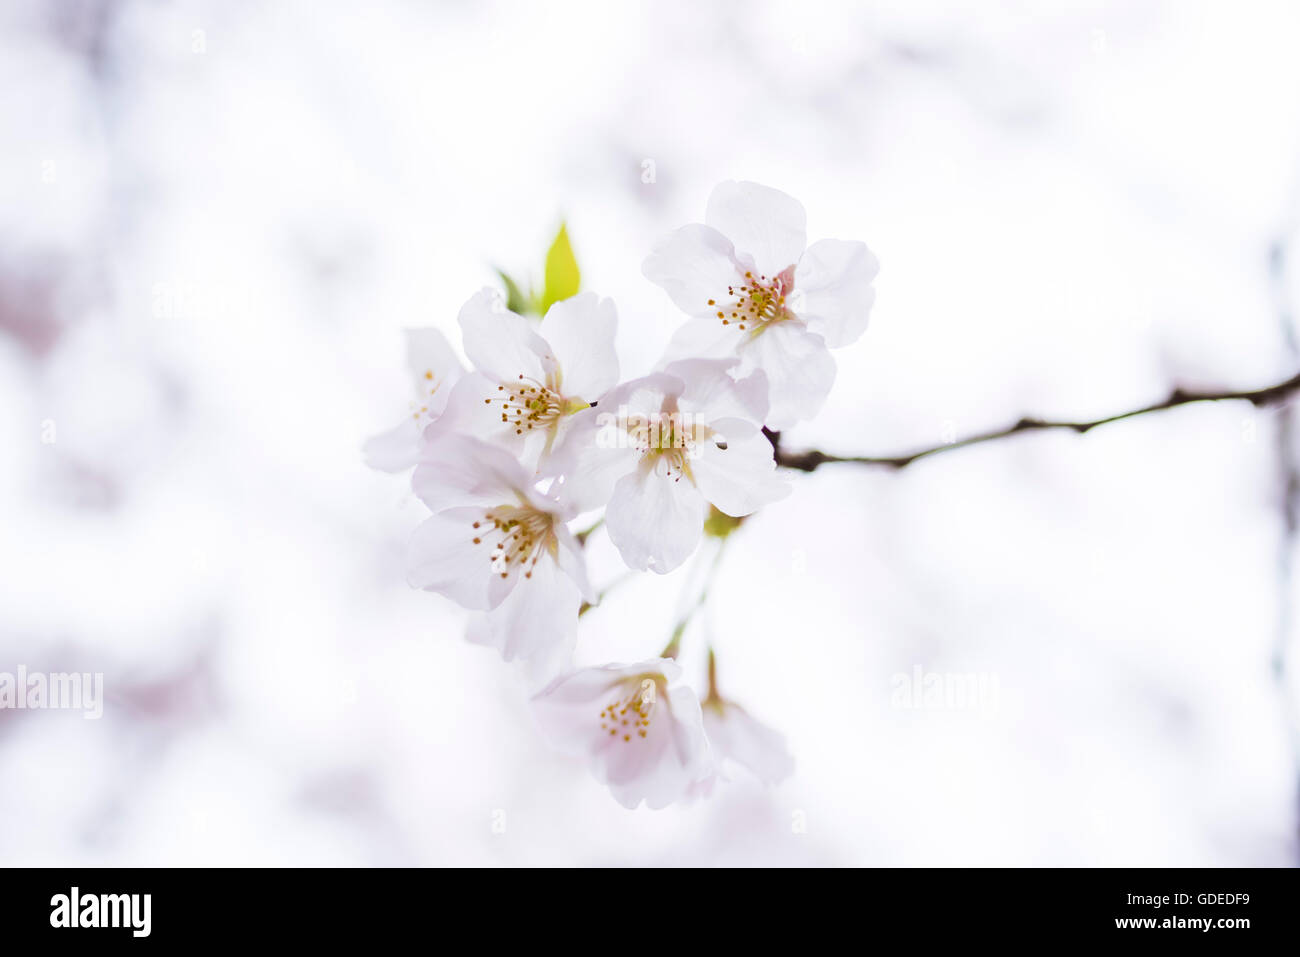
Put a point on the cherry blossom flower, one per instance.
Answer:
(528, 380)
(754, 291)
(737, 738)
(660, 449)
(497, 545)
(508, 453)
(640, 729)
(435, 370)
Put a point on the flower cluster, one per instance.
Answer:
(542, 428)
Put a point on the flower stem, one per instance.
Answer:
(710, 572)
(713, 679)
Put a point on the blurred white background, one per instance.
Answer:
(216, 218)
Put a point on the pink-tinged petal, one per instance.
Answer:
(741, 478)
(675, 756)
(657, 767)
(760, 221)
(539, 616)
(434, 367)
(833, 291)
(458, 470)
(395, 450)
(693, 265)
(502, 345)
(567, 710)
(563, 707)
(736, 737)
(442, 557)
(580, 334)
(703, 788)
(655, 519)
(800, 371)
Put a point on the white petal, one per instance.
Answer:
(693, 265)
(597, 450)
(655, 520)
(642, 395)
(395, 450)
(711, 393)
(458, 470)
(737, 737)
(474, 408)
(434, 366)
(760, 221)
(502, 345)
(800, 371)
(573, 562)
(741, 478)
(703, 339)
(539, 617)
(538, 670)
(592, 457)
(442, 557)
(550, 501)
(580, 333)
(501, 585)
(832, 289)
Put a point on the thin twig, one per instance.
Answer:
(812, 459)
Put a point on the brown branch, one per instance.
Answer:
(810, 460)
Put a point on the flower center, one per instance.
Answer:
(532, 405)
(632, 713)
(755, 302)
(668, 440)
(518, 535)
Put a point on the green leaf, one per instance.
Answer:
(562, 276)
(516, 301)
